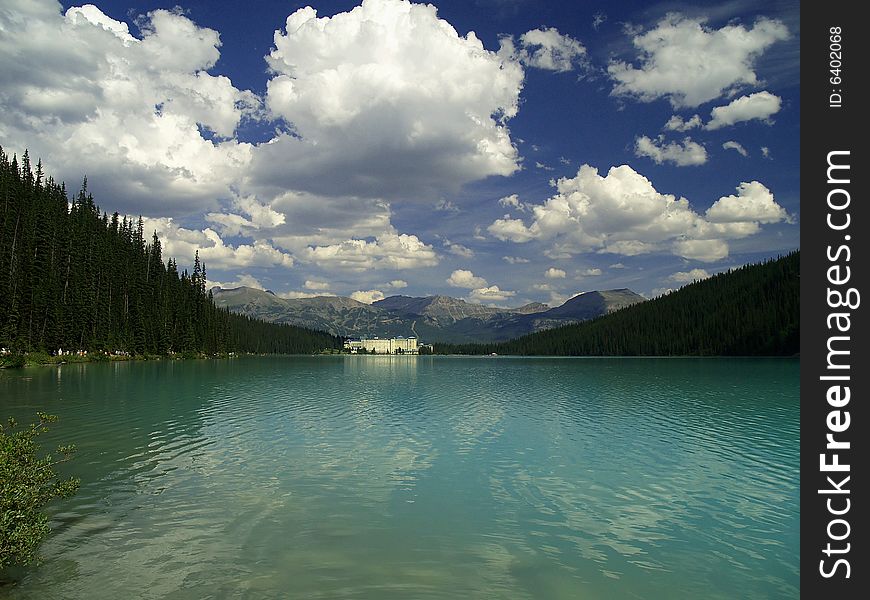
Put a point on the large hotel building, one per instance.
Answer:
(396, 345)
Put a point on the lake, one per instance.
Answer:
(378, 477)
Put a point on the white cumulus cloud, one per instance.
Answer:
(243, 280)
(368, 296)
(86, 96)
(545, 49)
(687, 153)
(753, 203)
(689, 276)
(554, 273)
(296, 295)
(511, 229)
(689, 63)
(622, 213)
(387, 94)
(515, 260)
(760, 106)
(392, 97)
(462, 278)
(183, 243)
(737, 146)
(512, 201)
(490, 295)
(677, 123)
(458, 249)
(259, 216)
(389, 251)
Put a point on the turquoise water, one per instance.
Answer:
(421, 477)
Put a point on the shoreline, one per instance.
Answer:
(42, 360)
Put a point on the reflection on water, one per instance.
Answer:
(421, 477)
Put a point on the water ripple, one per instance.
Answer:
(424, 477)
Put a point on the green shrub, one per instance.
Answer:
(41, 358)
(12, 361)
(27, 483)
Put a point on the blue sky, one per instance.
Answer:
(381, 148)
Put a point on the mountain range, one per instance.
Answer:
(430, 318)
(753, 310)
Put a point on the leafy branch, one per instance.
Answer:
(28, 482)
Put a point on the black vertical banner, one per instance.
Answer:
(835, 369)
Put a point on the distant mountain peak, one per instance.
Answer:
(531, 308)
(587, 305)
(431, 318)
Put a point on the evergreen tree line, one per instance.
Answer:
(753, 310)
(74, 278)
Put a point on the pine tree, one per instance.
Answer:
(72, 277)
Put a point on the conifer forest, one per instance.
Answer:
(75, 278)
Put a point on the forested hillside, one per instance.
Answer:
(753, 310)
(72, 277)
